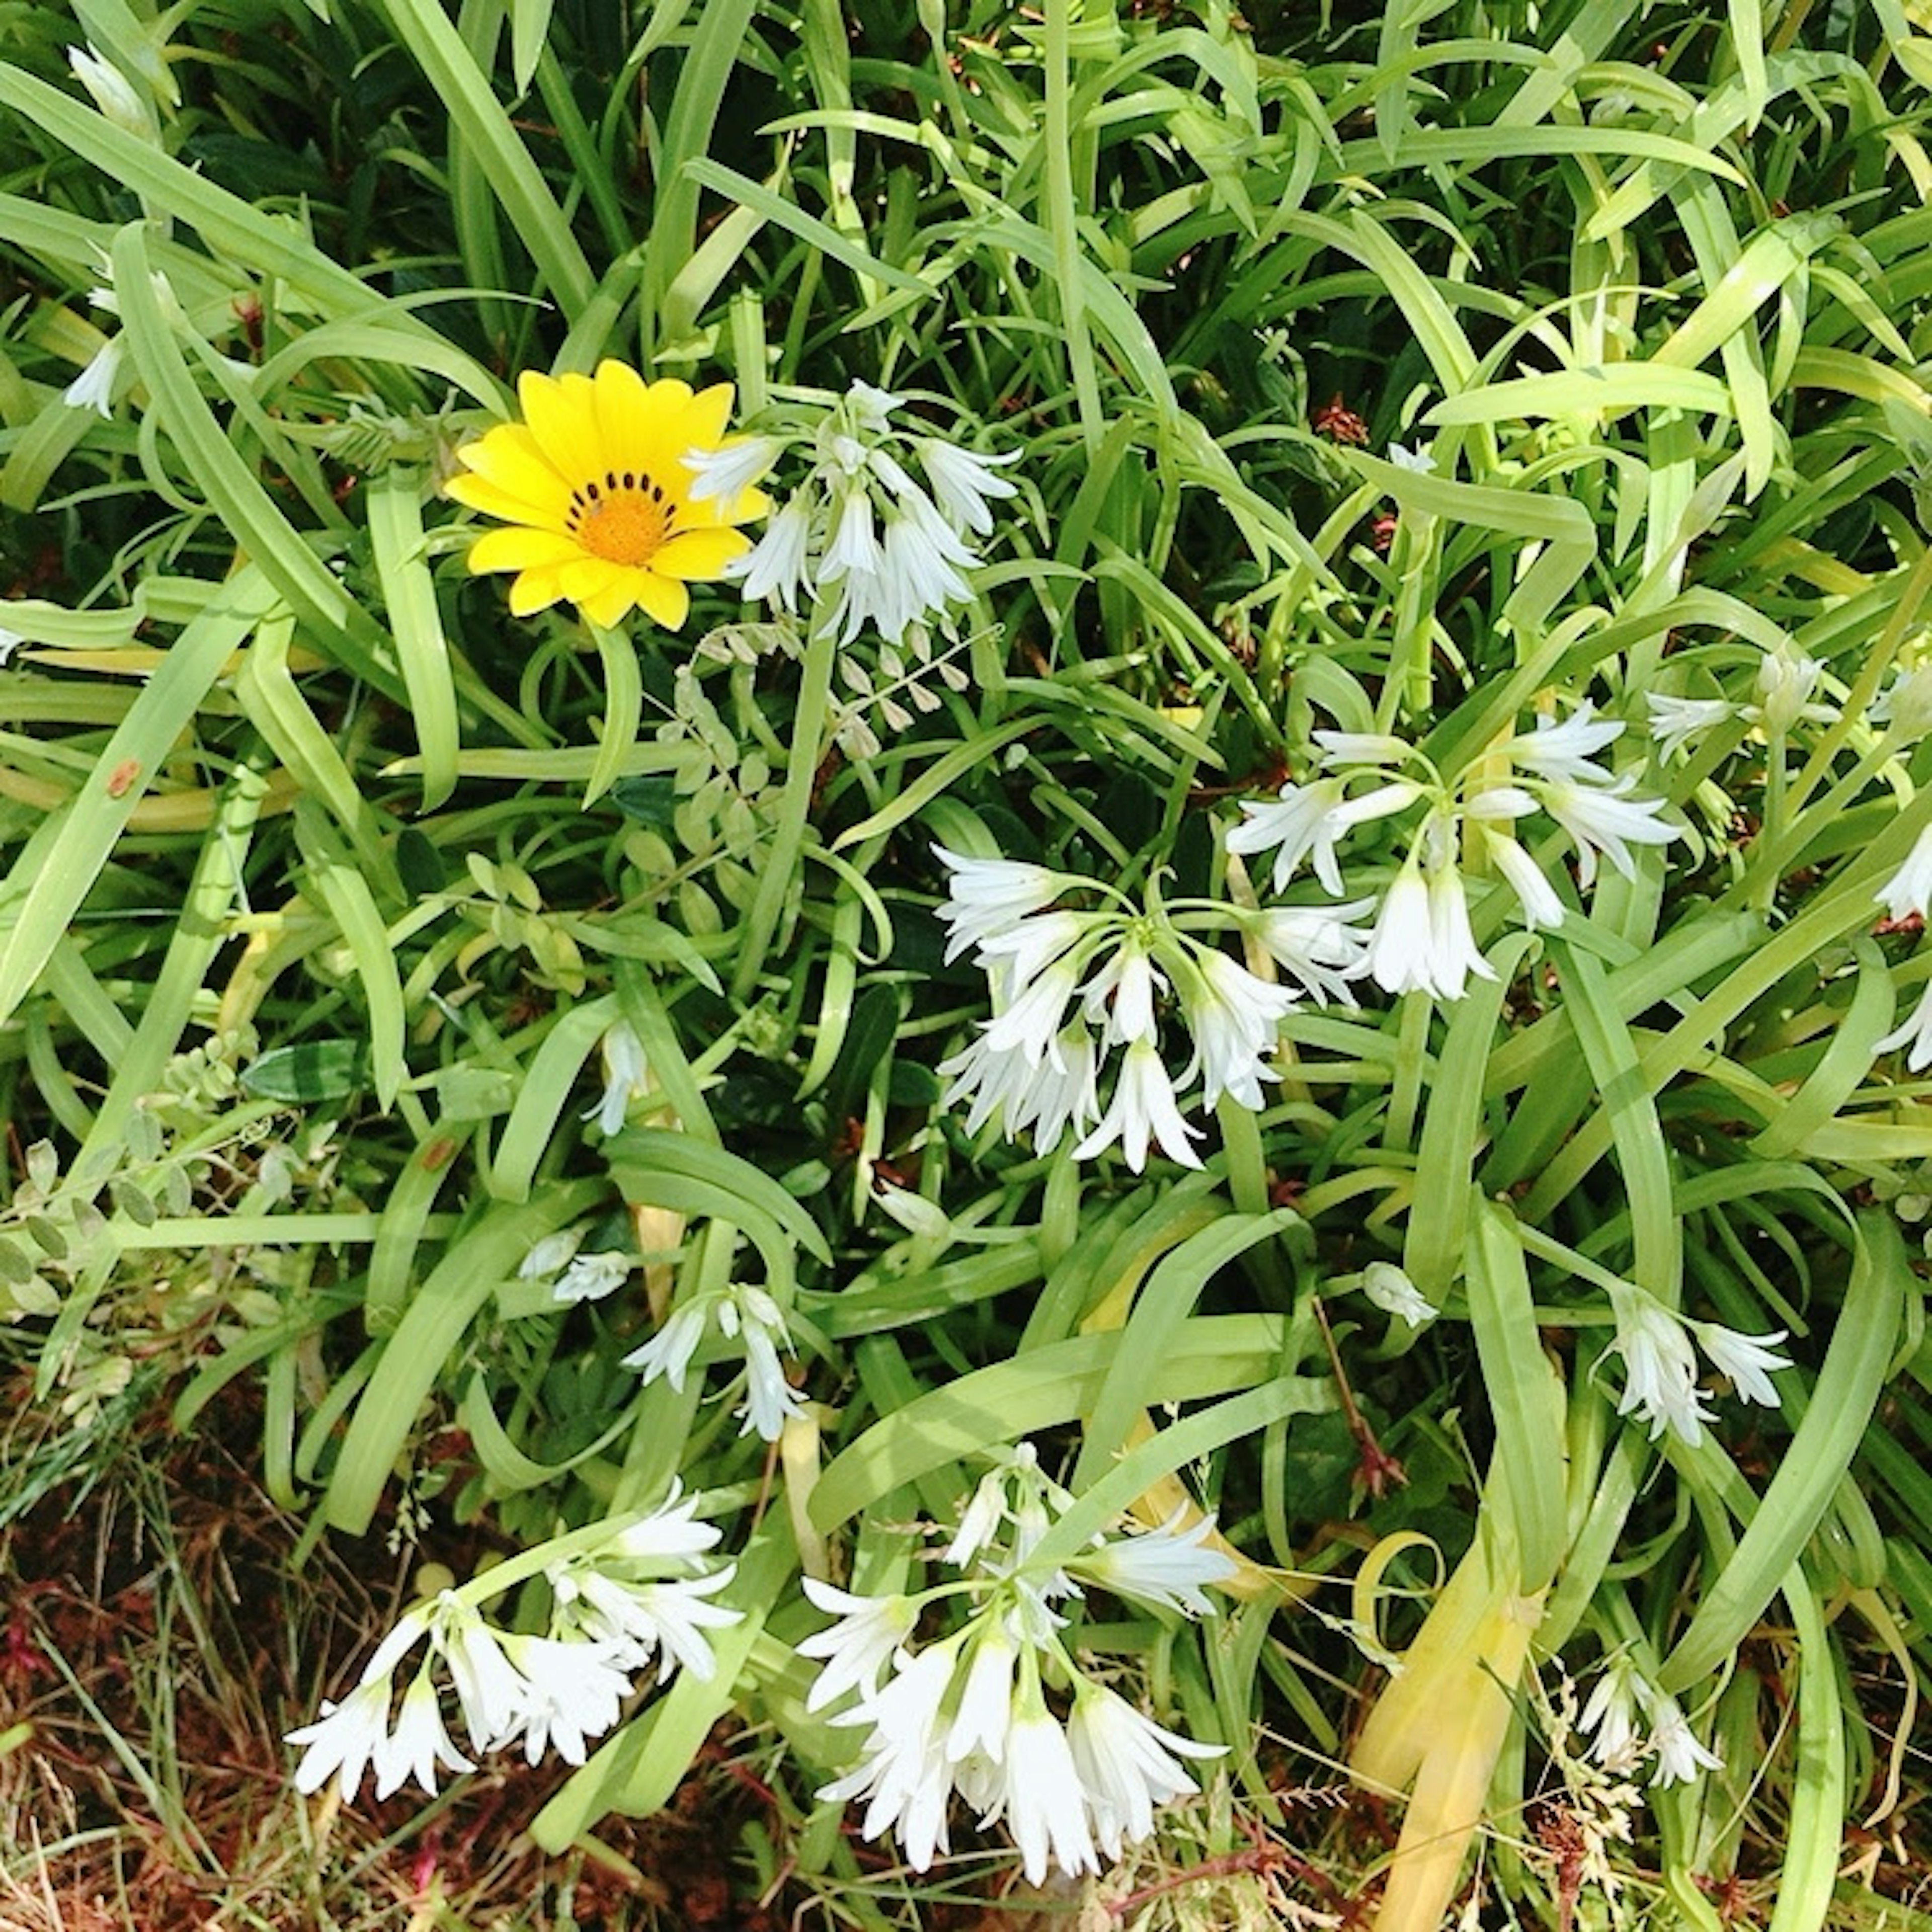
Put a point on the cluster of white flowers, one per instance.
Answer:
(1660, 1386)
(1421, 940)
(742, 1313)
(859, 525)
(969, 1713)
(1622, 1697)
(1786, 686)
(1071, 987)
(641, 1594)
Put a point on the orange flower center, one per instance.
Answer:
(622, 517)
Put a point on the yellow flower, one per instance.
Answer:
(594, 487)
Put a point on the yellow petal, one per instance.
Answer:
(710, 513)
(521, 548)
(645, 428)
(660, 599)
(586, 577)
(562, 416)
(478, 495)
(509, 459)
(610, 605)
(697, 555)
(710, 410)
(536, 590)
(624, 414)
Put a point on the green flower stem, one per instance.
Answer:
(1787, 830)
(808, 745)
(1770, 840)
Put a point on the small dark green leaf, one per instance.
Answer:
(651, 802)
(50, 1239)
(418, 864)
(135, 1203)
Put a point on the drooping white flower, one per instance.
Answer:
(1391, 1291)
(344, 1739)
(748, 1313)
(918, 565)
(1360, 751)
(669, 1351)
(1915, 1035)
(1611, 1713)
(1031, 1025)
(573, 1691)
(1568, 749)
(348, 1736)
(963, 481)
(418, 1746)
(1233, 1018)
(855, 1649)
(989, 897)
(1401, 954)
(1680, 1757)
(872, 408)
(93, 388)
(665, 1618)
(1905, 706)
(491, 1691)
(1603, 819)
(1013, 959)
(1320, 947)
(773, 570)
(854, 549)
(1046, 1099)
(903, 1771)
(1421, 459)
(1909, 890)
(983, 1720)
(1039, 1793)
(987, 1509)
(1747, 1361)
(1143, 1109)
(1166, 1567)
(728, 471)
(1786, 680)
(1119, 998)
(549, 1254)
(1660, 1369)
(626, 1077)
(1127, 1764)
(1455, 958)
(1299, 821)
(591, 1277)
(1498, 805)
(10, 641)
(112, 92)
(671, 1533)
(1542, 910)
(1674, 721)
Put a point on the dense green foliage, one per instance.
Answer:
(325, 877)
